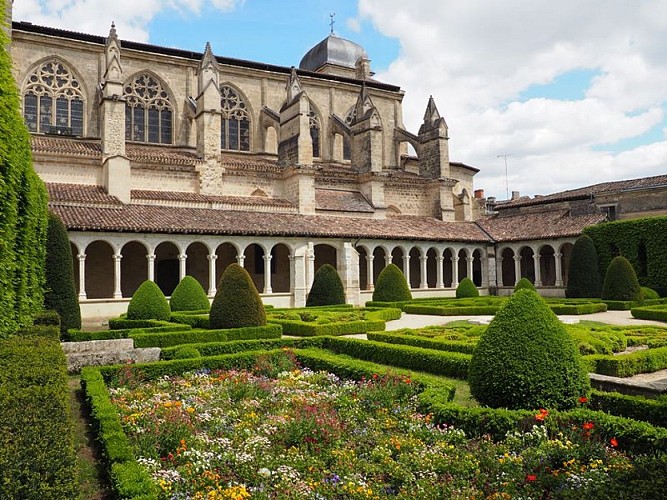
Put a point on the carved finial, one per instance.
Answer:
(112, 33)
(293, 85)
(364, 104)
(431, 113)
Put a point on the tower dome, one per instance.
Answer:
(333, 55)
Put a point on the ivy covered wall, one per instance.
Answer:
(23, 212)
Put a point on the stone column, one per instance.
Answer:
(267, 273)
(298, 278)
(559, 269)
(387, 259)
(181, 266)
(423, 260)
(517, 268)
(406, 268)
(151, 266)
(486, 269)
(440, 283)
(117, 293)
(82, 276)
(469, 261)
(211, 274)
(455, 271)
(369, 272)
(536, 264)
(310, 265)
(240, 259)
(350, 273)
(499, 271)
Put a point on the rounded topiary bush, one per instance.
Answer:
(583, 276)
(327, 289)
(187, 352)
(524, 284)
(189, 296)
(620, 282)
(649, 293)
(237, 302)
(391, 286)
(60, 291)
(466, 289)
(148, 302)
(526, 359)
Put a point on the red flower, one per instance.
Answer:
(588, 426)
(531, 477)
(541, 415)
(375, 376)
(583, 399)
(613, 442)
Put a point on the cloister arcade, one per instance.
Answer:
(544, 264)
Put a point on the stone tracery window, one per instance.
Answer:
(148, 111)
(314, 125)
(53, 100)
(235, 121)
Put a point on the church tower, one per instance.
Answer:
(366, 135)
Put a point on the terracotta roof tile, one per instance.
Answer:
(89, 148)
(149, 218)
(250, 162)
(79, 194)
(169, 155)
(341, 201)
(537, 225)
(174, 196)
(587, 191)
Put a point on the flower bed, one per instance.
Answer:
(301, 434)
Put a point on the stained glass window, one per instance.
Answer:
(53, 83)
(235, 126)
(148, 111)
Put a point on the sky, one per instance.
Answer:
(541, 96)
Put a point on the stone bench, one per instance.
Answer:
(106, 352)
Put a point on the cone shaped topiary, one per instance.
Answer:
(466, 289)
(60, 291)
(620, 282)
(524, 284)
(148, 302)
(189, 296)
(237, 303)
(391, 286)
(526, 359)
(327, 289)
(583, 276)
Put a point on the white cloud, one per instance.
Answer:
(353, 24)
(476, 56)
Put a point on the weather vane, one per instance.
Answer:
(332, 15)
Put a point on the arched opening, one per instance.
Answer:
(477, 267)
(167, 269)
(325, 254)
(226, 254)
(363, 268)
(99, 270)
(280, 268)
(254, 264)
(448, 268)
(527, 264)
(508, 274)
(397, 257)
(547, 266)
(379, 262)
(75, 266)
(415, 267)
(463, 265)
(133, 267)
(566, 253)
(432, 268)
(196, 264)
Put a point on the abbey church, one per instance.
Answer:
(163, 162)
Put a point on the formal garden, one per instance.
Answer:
(243, 400)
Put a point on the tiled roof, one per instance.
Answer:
(537, 225)
(80, 194)
(587, 191)
(89, 148)
(341, 201)
(248, 162)
(161, 154)
(174, 196)
(161, 219)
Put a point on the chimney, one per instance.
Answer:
(479, 194)
(515, 195)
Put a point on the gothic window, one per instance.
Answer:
(148, 112)
(347, 141)
(53, 101)
(235, 129)
(314, 125)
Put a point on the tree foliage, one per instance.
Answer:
(620, 282)
(189, 296)
(526, 359)
(466, 289)
(524, 284)
(583, 276)
(148, 302)
(237, 302)
(327, 289)
(391, 286)
(60, 293)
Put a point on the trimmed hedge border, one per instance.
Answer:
(170, 339)
(627, 365)
(307, 329)
(451, 308)
(655, 313)
(123, 323)
(236, 346)
(37, 455)
(653, 411)
(425, 342)
(195, 320)
(79, 336)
